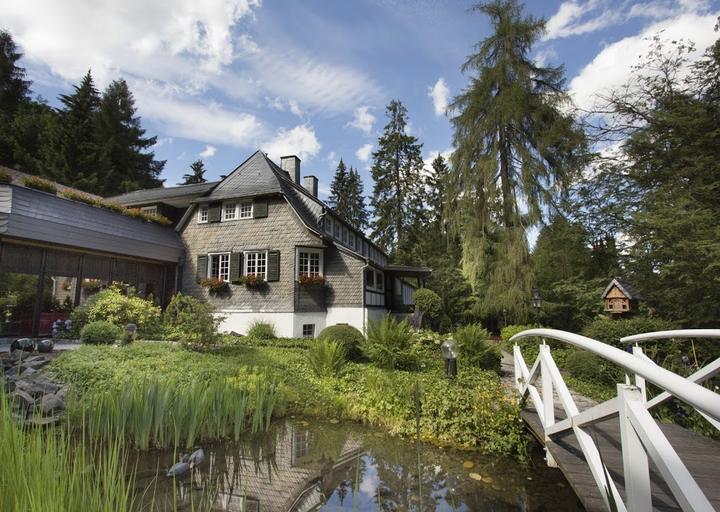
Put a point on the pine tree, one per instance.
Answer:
(357, 211)
(397, 194)
(75, 157)
(197, 174)
(14, 92)
(338, 189)
(127, 163)
(436, 183)
(514, 146)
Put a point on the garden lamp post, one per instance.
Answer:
(130, 332)
(536, 302)
(449, 349)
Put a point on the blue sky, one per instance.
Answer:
(218, 79)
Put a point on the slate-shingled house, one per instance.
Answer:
(262, 221)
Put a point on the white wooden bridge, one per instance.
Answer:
(615, 455)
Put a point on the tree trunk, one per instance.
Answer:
(505, 184)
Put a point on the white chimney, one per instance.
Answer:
(291, 165)
(311, 185)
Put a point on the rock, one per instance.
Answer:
(11, 372)
(178, 469)
(476, 476)
(22, 400)
(45, 346)
(196, 458)
(50, 404)
(38, 388)
(28, 372)
(468, 464)
(24, 344)
(16, 354)
(35, 365)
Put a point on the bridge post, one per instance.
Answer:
(640, 381)
(635, 460)
(548, 400)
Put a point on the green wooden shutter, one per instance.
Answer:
(235, 266)
(273, 266)
(260, 209)
(214, 212)
(202, 267)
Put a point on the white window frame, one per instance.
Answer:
(311, 329)
(245, 210)
(150, 210)
(223, 274)
(203, 214)
(229, 211)
(376, 273)
(308, 250)
(246, 260)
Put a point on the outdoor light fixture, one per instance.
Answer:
(536, 302)
(130, 331)
(449, 350)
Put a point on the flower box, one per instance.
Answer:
(254, 280)
(311, 281)
(214, 285)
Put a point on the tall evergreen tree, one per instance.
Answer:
(338, 189)
(75, 156)
(516, 149)
(127, 162)
(357, 211)
(437, 196)
(14, 92)
(397, 194)
(197, 173)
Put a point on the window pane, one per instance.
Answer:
(245, 210)
(203, 215)
(229, 211)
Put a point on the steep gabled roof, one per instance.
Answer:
(253, 177)
(626, 288)
(160, 194)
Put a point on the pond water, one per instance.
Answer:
(304, 466)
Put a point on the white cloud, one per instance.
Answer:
(208, 152)
(162, 141)
(611, 67)
(300, 141)
(332, 159)
(440, 94)
(362, 120)
(282, 105)
(364, 152)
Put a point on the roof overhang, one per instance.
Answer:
(409, 271)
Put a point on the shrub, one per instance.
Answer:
(528, 346)
(100, 332)
(5, 177)
(113, 306)
(327, 357)
(475, 349)
(190, 321)
(348, 336)
(591, 368)
(389, 344)
(39, 184)
(429, 303)
(262, 330)
(610, 331)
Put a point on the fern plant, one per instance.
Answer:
(327, 358)
(389, 344)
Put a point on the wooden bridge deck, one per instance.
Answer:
(700, 455)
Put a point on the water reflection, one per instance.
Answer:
(302, 466)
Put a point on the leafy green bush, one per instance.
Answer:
(591, 368)
(528, 346)
(40, 184)
(610, 331)
(475, 349)
(262, 330)
(429, 303)
(349, 336)
(100, 332)
(327, 357)
(190, 321)
(247, 341)
(113, 306)
(389, 344)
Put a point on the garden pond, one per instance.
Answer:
(303, 465)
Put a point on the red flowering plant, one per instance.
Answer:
(214, 285)
(254, 280)
(311, 280)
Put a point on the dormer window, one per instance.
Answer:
(246, 210)
(235, 211)
(230, 211)
(203, 214)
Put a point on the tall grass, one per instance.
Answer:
(44, 469)
(166, 413)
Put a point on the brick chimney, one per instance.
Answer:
(311, 185)
(291, 165)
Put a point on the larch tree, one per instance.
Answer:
(516, 150)
(397, 198)
(196, 175)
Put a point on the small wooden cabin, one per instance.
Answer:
(620, 298)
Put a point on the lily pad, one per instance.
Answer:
(468, 464)
(476, 476)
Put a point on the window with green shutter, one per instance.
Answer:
(260, 209)
(273, 266)
(202, 267)
(235, 267)
(214, 213)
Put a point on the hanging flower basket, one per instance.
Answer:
(311, 281)
(214, 285)
(254, 280)
(92, 285)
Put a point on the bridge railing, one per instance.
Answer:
(640, 435)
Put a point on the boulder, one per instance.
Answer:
(24, 344)
(22, 400)
(50, 404)
(16, 354)
(35, 365)
(45, 346)
(37, 388)
(28, 372)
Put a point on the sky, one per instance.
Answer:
(218, 79)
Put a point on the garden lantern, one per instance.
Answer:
(536, 302)
(130, 331)
(449, 349)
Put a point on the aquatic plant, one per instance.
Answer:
(156, 413)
